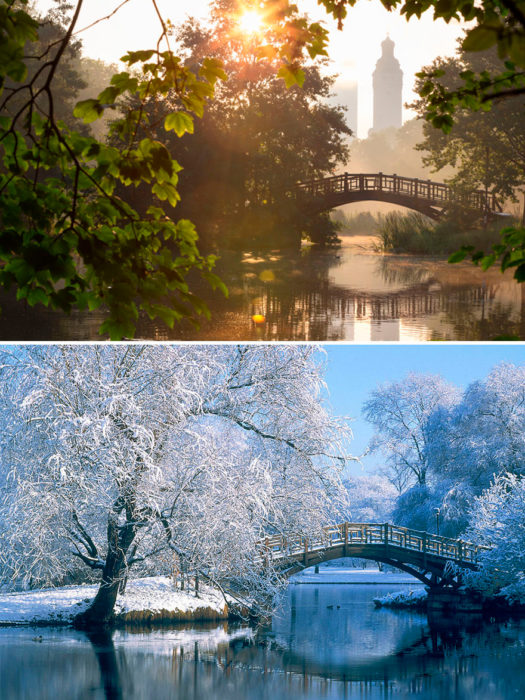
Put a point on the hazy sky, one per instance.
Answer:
(356, 370)
(354, 50)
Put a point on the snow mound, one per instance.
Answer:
(149, 597)
(403, 599)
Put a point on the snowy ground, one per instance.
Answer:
(350, 575)
(60, 605)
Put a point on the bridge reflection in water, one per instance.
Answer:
(357, 296)
(316, 295)
(324, 641)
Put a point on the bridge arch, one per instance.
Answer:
(434, 560)
(425, 196)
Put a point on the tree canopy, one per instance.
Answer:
(132, 457)
(446, 446)
(254, 141)
(487, 149)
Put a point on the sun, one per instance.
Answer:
(251, 22)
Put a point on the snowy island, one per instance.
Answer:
(146, 600)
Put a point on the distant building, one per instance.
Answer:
(388, 85)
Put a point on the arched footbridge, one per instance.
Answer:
(425, 196)
(432, 559)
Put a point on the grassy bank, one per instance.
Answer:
(417, 234)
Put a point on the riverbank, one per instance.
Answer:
(416, 234)
(147, 600)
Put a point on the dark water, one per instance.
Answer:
(350, 294)
(309, 651)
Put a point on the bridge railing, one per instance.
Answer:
(277, 547)
(433, 192)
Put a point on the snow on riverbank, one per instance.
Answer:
(147, 599)
(403, 599)
(349, 575)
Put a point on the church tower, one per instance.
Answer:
(388, 84)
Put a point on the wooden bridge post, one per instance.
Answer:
(380, 181)
(385, 530)
(424, 538)
(345, 548)
(346, 182)
(460, 550)
(306, 551)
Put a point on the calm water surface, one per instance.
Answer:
(349, 294)
(311, 649)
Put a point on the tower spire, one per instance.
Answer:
(388, 86)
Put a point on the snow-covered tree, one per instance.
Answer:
(372, 498)
(498, 520)
(116, 456)
(484, 433)
(399, 412)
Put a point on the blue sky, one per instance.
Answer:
(353, 371)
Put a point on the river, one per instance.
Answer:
(323, 642)
(348, 294)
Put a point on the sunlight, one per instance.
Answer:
(251, 22)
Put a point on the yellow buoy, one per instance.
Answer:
(258, 318)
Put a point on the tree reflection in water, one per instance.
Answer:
(321, 295)
(104, 648)
(309, 650)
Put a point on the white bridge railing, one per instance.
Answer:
(350, 535)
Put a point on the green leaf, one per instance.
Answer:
(517, 49)
(117, 329)
(37, 296)
(458, 256)
(180, 122)
(480, 38)
(137, 56)
(291, 76)
(109, 95)
(215, 282)
(88, 110)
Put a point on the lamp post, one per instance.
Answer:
(437, 512)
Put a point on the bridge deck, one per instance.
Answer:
(424, 195)
(381, 541)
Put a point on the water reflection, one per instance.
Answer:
(349, 294)
(325, 641)
(110, 676)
